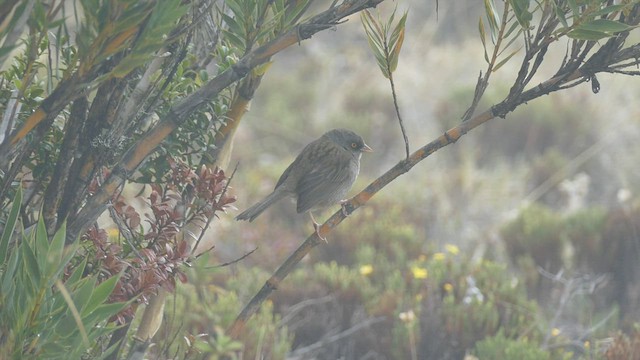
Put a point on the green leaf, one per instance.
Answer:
(396, 40)
(6, 50)
(560, 14)
(610, 9)
(492, 18)
(504, 61)
(10, 225)
(589, 35)
(234, 26)
(31, 266)
(233, 40)
(372, 31)
(604, 26)
(515, 25)
(56, 252)
(521, 11)
(398, 32)
(100, 294)
(9, 274)
(483, 36)
(104, 312)
(82, 295)
(134, 16)
(41, 243)
(77, 273)
(236, 8)
(574, 8)
(511, 41)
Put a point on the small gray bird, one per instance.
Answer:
(320, 176)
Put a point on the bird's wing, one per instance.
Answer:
(326, 177)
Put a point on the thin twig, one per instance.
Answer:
(393, 93)
(302, 353)
(233, 261)
(483, 81)
(295, 309)
(395, 104)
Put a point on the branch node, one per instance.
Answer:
(272, 284)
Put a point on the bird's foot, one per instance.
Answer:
(316, 227)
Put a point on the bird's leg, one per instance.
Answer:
(316, 227)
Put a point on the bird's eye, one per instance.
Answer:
(354, 145)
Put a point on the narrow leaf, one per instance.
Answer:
(483, 35)
(375, 40)
(10, 225)
(574, 8)
(41, 243)
(492, 19)
(55, 254)
(582, 34)
(395, 53)
(77, 273)
(610, 9)
(82, 294)
(521, 10)
(560, 15)
(100, 294)
(504, 61)
(604, 25)
(399, 28)
(31, 265)
(74, 311)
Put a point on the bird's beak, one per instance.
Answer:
(366, 148)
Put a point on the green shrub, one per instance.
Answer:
(203, 310)
(42, 315)
(499, 347)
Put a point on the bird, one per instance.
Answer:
(319, 177)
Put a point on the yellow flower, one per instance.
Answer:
(452, 249)
(587, 345)
(555, 332)
(113, 232)
(439, 256)
(419, 273)
(448, 288)
(366, 270)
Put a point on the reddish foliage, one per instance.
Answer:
(158, 256)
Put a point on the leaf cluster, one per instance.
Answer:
(385, 39)
(252, 23)
(153, 256)
(588, 20)
(45, 310)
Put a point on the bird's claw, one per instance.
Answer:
(316, 227)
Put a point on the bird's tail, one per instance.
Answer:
(257, 209)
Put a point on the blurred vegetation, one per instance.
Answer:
(521, 241)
